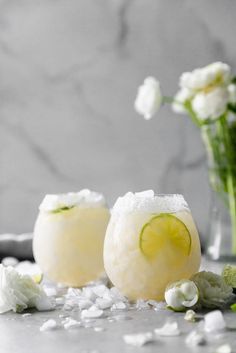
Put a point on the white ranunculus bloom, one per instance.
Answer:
(215, 74)
(181, 295)
(232, 93)
(212, 104)
(180, 98)
(149, 98)
(213, 291)
(18, 292)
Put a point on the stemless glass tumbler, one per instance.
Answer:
(69, 236)
(151, 240)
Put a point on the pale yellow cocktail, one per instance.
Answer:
(151, 240)
(69, 236)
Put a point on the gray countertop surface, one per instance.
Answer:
(21, 334)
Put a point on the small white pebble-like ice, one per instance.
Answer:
(10, 261)
(99, 329)
(49, 325)
(71, 323)
(214, 321)
(45, 303)
(142, 304)
(168, 329)
(138, 339)
(225, 348)
(103, 303)
(195, 338)
(119, 306)
(91, 314)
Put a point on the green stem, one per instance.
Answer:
(230, 179)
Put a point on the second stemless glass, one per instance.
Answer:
(151, 240)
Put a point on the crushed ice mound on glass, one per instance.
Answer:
(225, 348)
(214, 321)
(142, 304)
(138, 339)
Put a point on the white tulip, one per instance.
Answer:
(181, 295)
(212, 75)
(149, 98)
(211, 104)
(18, 292)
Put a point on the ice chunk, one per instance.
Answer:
(214, 321)
(119, 306)
(10, 261)
(225, 348)
(88, 293)
(142, 304)
(99, 329)
(195, 338)
(103, 303)
(91, 314)
(50, 291)
(168, 329)
(117, 296)
(48, 325)
(138, 339)
(45, 303)
(71, 323)
(60, 301)
(100, 290)
(85, 304)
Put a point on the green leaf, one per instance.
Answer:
(233, 307)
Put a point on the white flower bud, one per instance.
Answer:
(149, 98)
(232, 93)
(181, 295)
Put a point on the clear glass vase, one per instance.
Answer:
(220, 142)
(220, 246)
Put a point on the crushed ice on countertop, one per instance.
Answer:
(168, 329)
(69, 323)
(48, 325)
(195, 338)
(225, 348)
(214, 321)
(138, 339)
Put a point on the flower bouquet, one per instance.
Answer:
(208, 96)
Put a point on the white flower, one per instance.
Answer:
(18, 292)
(211, 104)
(149, 98)
(232, 93)
(180, 98)
(212, 75)
(213, 291)
(181, 295)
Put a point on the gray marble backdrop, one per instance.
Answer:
(68, 76)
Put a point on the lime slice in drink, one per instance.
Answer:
(167, 236)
